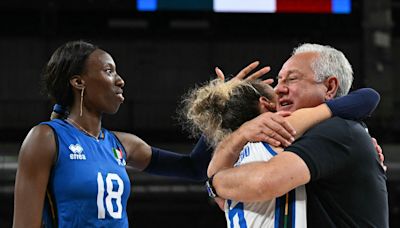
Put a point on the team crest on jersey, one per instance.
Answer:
(119, 156)
(76, 152)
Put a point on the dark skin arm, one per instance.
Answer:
(36, 157)
(138, 151)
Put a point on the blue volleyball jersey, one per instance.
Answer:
(88, 185)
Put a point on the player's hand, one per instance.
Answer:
(380, 153)
(269, 127)
(244, 73)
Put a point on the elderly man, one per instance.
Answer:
(336, 161)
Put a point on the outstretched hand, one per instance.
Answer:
(269, 127)
(243, 74)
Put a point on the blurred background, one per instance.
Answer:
(164, 47)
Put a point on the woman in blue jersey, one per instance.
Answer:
(218, 108)
(71, 171)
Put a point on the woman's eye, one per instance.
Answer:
(108, 71)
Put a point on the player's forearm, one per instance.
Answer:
(192, 166)
(305, 118)
(226, 153)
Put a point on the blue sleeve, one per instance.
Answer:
(192, 166)
(357, 105)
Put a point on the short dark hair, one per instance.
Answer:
(68, 60)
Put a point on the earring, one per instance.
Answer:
(81, 108)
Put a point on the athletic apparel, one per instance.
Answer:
(348, 184)
(356, 105)
(288, 210)
(88, 184)
(191, 166)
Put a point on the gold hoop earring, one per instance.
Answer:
(81, 107)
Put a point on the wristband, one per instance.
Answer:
(210, 188)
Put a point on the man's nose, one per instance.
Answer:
(281, 88)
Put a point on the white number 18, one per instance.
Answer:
(101, 214)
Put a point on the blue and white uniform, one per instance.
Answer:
(286, 211)
(88, 185)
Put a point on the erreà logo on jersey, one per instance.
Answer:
(77, 152)
(119, 156)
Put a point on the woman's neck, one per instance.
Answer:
(90, 124)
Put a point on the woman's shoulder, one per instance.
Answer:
(40, 142)
(54, 123)
(41, 131)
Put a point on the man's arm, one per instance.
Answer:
(261, 181)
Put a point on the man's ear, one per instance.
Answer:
(266, 105)
(332, 85)
(77, 82)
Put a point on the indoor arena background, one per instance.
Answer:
(162, 53)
